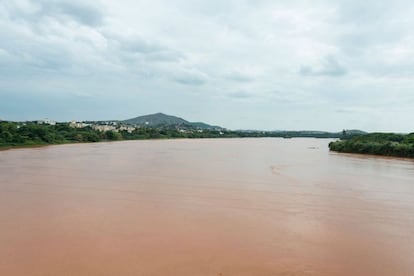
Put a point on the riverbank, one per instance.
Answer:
(384, 144)
(29, 134)
(3, 148)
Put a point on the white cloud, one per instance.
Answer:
(216, 61)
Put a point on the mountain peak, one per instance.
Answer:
(161, 119)
(156, 119)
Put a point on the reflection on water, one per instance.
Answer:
(204, 207)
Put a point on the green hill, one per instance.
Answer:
(164, 120)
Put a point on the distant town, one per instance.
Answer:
(158, 120)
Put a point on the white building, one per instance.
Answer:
(46, 122)
(129, 129)
(75, 124)
(104, 128)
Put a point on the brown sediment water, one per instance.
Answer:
(204, 207)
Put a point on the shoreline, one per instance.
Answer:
(370, 156)
(4, 148)
(377, 144)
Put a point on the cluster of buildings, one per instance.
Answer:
(46, 122)
(103, 126)
(99, 126)
(75, 124)
(114, 126)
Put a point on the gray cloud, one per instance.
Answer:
(239, 95)
(137, 45)
(328, 67)
(239, 77)
(190, 79)
(35, 11)
(80, 12)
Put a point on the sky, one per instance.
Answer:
(241, 64)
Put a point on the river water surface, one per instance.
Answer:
(204, 207)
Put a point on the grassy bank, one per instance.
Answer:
(387, 144)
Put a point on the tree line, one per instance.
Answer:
(31, 134)
(388, 144)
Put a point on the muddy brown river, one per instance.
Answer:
(204, 207)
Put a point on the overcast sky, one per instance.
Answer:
(251, 64)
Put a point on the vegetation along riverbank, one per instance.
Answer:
(18, 134)
(387, 144)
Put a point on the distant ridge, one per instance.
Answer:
(161, 119)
